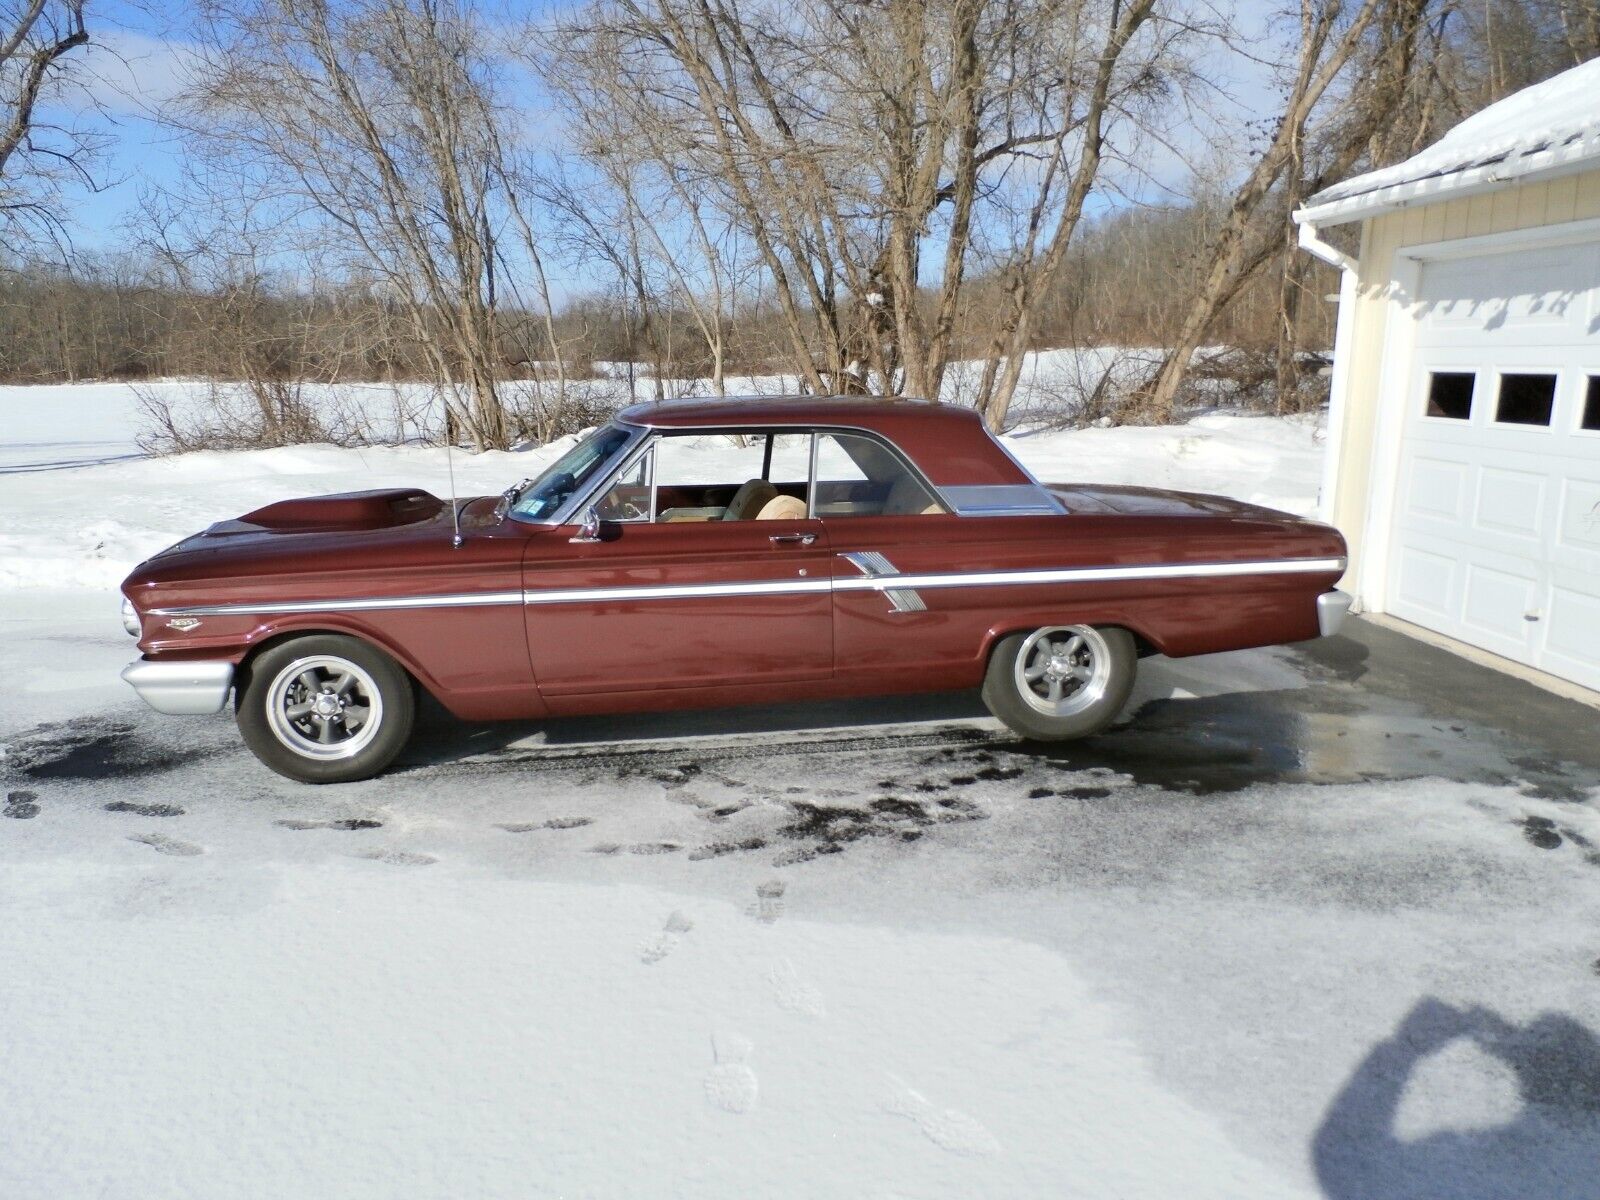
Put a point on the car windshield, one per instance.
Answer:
(544, 497)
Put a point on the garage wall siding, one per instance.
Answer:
(1521, 206)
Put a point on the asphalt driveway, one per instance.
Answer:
(1346, 896)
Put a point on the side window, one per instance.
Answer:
(731, 476)
(860, 477)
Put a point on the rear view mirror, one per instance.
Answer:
(589, 530)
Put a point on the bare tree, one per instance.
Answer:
(859, 149)
(1328, 40)
(375, 122)
(35, 38)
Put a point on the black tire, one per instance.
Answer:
(1106, 655)
(316, 747)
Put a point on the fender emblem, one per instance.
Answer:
(184, 624)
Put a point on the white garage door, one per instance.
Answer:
(1497, 516)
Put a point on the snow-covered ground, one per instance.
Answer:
(1293, 931)
(71, 528)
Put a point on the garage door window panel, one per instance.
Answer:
(1526, 398)
(1591, 405)
(1450, 394)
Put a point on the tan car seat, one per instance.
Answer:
(783, 508)
(908, 498)
(748, 500)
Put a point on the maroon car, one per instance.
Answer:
(699, 553)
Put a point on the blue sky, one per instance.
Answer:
(129, 65)
(135, 62)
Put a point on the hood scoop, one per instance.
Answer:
(382, 509)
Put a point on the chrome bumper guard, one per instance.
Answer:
(183, 689)
(1331, 610)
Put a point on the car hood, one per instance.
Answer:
(339, 532)
(364, 511)
(1153, 502)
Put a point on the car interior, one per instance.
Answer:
(765, 477)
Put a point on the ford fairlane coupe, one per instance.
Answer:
(714, 552)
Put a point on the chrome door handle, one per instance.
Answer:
(792, 539)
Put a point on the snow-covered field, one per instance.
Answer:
(1295, 931)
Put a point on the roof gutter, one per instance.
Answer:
(1577, 153)
(1312, 241)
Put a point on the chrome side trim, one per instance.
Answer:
(679, 591)
(765, 587)
(370, 604)
(872, 564)
(181, 689)
(1279, 566)
(1332, 608)
(1002, 500)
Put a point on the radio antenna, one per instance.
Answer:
(450, 466)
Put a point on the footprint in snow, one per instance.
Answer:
(20, 806)
(398, 858)
(144, 810)
(767, 907)
(794, 994)
(162, 844)
(343, 823)
(730, 1084)
(663, 943)
(944, 1127)
(717, 849)
(552, 823)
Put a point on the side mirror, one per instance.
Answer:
(589, 530)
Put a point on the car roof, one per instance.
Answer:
(947, 441)
(691, 412)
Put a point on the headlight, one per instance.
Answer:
(130, 618)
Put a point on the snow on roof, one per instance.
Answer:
(1547, 127)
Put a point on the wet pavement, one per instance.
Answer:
(1309, 876)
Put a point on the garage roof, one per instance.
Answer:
(1549, 128)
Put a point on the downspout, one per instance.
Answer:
(1338, 382)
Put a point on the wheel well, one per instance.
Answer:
(1142, 645)
(241, 677)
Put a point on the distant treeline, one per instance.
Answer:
(124, 316)
(891, 197)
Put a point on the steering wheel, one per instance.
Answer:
(621, 509)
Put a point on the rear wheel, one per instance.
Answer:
(1062, 681)
(326, 709)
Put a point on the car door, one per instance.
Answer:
(884, 520)
(672, 595)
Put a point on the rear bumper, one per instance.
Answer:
(183, 689)
(1331, 609)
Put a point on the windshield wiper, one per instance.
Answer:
(509, 497)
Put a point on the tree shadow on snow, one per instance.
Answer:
(1549, 1151)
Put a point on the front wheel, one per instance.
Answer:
(326, 709)
(1062, 681)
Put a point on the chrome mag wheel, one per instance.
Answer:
(1063, 670)
(324, 707)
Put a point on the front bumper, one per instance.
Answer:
(183, 689)
(1331, 610)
